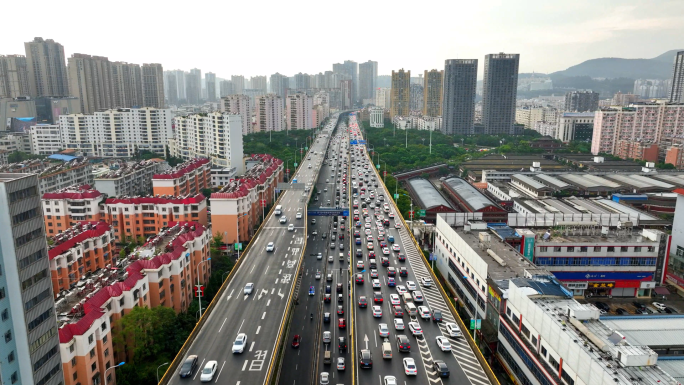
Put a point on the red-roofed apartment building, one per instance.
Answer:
(188, 178)
(237, 207)
(160, 273)
(81, 249)
(68, 207)
(146, 216)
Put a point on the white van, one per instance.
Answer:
(386, 350)
(407, 297)
(278, 210)
(411, 309)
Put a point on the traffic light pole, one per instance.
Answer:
(199, 287)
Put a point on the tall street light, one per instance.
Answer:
(113, 367)
(165, 363)
(200, 293)
(410, 212)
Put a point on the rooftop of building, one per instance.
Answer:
(43, 167)
(157, 199)
(540, 282)
(427, 195)
(469, 195)
(511, 162)
(655, 331)
(256, 175)
(182, 169)
(8, 177)
(75, 235)
(591, 232)
(74, 192)
(578, 114)
(123, 168)
(606, 349)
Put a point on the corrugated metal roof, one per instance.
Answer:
(649, 331)
(676, 179)
(555, 182)
(625, 209)
(427, 194)
(629, 181)
(529, 181)
(675, 368)
(469, 194)
(589, 181)
(653, 182)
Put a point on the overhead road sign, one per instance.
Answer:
(328, 211)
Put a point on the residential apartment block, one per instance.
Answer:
(676, 94)
(54, 176)
(458, 102)
(499, 88)
(46, 139)
(128, 178)
(383, 98)
(236, 208)
(269, 113)
(529, 116)
(13, 76)
(188, 178)
(79, 250)
(90, 81)
(118, 133)
(30, 348)
(47, 68)
(215, 135)
(239, 104)
(581, 101)
(433, 81)
(400, 99)
(68, 207)
(298, 114)
(577, 126)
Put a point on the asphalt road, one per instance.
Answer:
(302, 365)
(464, 367)
(261, 313)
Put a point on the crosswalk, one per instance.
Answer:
(459, 347)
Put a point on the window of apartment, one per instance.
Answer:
(106, 352)
(525, 331)
(650, 249)
(92, 352)
(104, 340)
(10, 357)
(597, 249)
(552, 361)
(543, 351)
(40, 319)
(571, 249)
(91, 338)
(8, 336)
(94, 367)
(2, 292)
(25, 216)
(14, 377)
(557, 249)
(566, 378)
(543, 249)
(35, 279)
(637, 249)
(30, 304)
(5, 314)
(583, 249)
(23, 194)
(624, 249)
(611, 249)
(75, 374)
(534, 341)
(73, 363)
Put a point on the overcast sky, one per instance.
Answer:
(251, 37)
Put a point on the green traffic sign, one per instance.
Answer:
(474, 325)
(238, 246)
(421, 213)
(306, 148)
(396, 196)
(378, 166)
(295, 164)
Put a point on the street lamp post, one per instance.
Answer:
(113, 367)
(199, 293)
(410, 212)
(165, 363)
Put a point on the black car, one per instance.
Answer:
(188, 367)
(342, 344)
(403, 343)
(339, 288)
(377, 297)
(359, 253)
(340, 310)
(436, 315)
(326, 317)
(403, 272)
(326, 298)
(441, 367)
(328, 289)
(363, 302)
(637, 305)
(621, 311)
(340, 298)
(366, 359)
(602, 306)
(401, 258)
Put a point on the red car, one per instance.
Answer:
(296, 341)
(341, 323)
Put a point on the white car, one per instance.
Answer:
(376, 284)
(385, 251)
(377, 311)
(394, 299)
(290, 227)
(325, 378)
(443, 343)
(399, 324)
(424, 312)
(249, 288)
(327, 337)
(319, 256)
(270, 246)
(417, 296)
(659, 306)
(410, 367)
(209, 371)
(389, 380)
(240, 342)
(426, 282)
(283, 219)
(415, 328)
(299, 215)
(411, 285)
(401, 289)
(359, 264)
(453, 330)
(383, 331)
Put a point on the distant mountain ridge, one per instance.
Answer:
(659, 67)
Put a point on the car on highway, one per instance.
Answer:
(401, 258)
(385, 251)
(339, 288)
(340, 363)
(397, 226)
(239, 343)
(290, 227)
(426, 282)
(394, 299)
(326, 298)
(359, 265)
(369, 246)
(436, 315)
(363, 302)
(312, 290)
(359, 279)
(283, 219)
(410, 285)
(391, 282)
(296, 341)
(376, 284)
(249, 288)
(415, 328)
(398, 312)
(383, 330)
(209, 371)
(403, 343)
(342, 344)
(377, 297)
(313, 221)
(396, 248)
(318, 275)
(659, 306)
(424, 312)
(440, 367)
(270, 246)
(365, 359)
(327, 336)
(374, 273)
(410, 367)
(443, 343)
(391, 271)
(389, 380)
(299, 215)
(399, 324)
(359, 253)
(325, 378)
(403, 272)
(377, 311)
(417, 296)
(341, 323)
(453, 330)
(401, 289)
(333, 245)
(326, 317)
(340, 310)
(188, 367)
(341, 246)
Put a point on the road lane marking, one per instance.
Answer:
(201, 366)
(224, 322)
(251, 346)
(268, 303)
(258, 329)
(243, 321)
(244, 366)
(219, 374)
(262, 316)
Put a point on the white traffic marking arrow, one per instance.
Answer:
(365, 339)
(230, 295)
(262, 293)
(281, 294)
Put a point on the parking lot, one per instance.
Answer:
(674, 303)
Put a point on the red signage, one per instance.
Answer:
(411, 214)
(263, 203)
(287, 171)
(384, 173)
(199, 291)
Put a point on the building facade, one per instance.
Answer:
(676, 94)
(377, 117)
(499, 88)
(298, 112)
(210, 79)
(269, 113)
(577, 126)
(581, 101)
(458, 104)
(153, 85)
(433, 93)
(188, 178)
(216, 136)
(47, 68)
(14, 76)
(90, 81)
(368, 75)
(400, 93)
(239, 104)
(45, 139)
(134, 178)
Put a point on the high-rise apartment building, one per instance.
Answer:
(46, 67)
(368, 75)
(279, 85)
(432, 92)
(238, 84)
(400, 98)
(193, 86)
(581, 101)
(347, 88)
(153, 85)
(301, 82)
(180, 80)
(416, 97)
(259, 83)
(383, 98)
(127, 85)
(269, 113)
(652, 88)
(90, 81)
(226, 88)
(241, 105)
(298, 111)
(14, 76)
(30, 350)
(216, 136)
(677, 88)
(500, 85)
(172, 90)
(458, 105)
(350, 71)
(210, 78)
